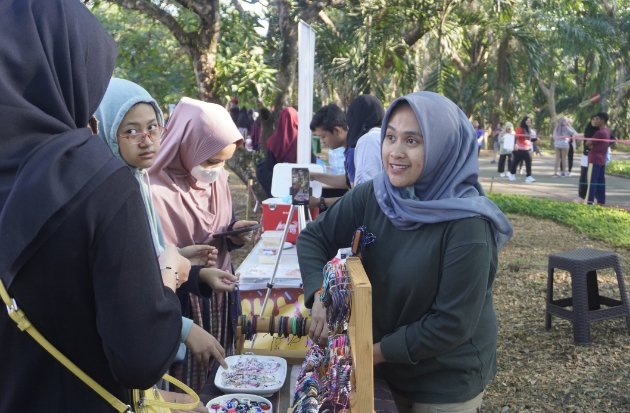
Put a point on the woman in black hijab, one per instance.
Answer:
(365, 115)
(72, 254)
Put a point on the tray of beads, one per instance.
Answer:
(259, 375)
(239, 403)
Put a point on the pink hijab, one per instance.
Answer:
(190, 214)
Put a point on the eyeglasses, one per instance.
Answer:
(138, 138)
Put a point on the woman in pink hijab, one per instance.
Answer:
(193, 200)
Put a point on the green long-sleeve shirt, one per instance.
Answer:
(431, 295)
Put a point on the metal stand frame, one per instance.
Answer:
(301, 224)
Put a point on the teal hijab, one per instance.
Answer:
(122, 95)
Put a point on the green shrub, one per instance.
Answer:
(619, 168)
(601, 223)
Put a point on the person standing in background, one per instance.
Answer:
(281, 147)
(597, 159)
(589, 131)
(365, 116)
(521, 150)
(330, 124)
(234, 109)
(255, 131)
(495, 139)
(243, 122)
(505, 152)
(561, 145)
(479, 133)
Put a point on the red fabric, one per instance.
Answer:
(283, 143)
(597, 154)
(522, 140)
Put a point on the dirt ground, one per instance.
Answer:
(541, 371)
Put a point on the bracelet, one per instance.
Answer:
(176, 274)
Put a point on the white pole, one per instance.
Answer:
(306, 72)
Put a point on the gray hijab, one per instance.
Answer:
(122, 95)
(445, 190)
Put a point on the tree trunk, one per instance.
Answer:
(266, 127)
(288, 62)
(204, 66)
(243, 164)
(502, 81)
(550, 94)
(201, 44)
(288, 22)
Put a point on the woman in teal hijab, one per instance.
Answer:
(131, 124)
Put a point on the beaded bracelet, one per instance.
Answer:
(280, 326)
(176, 274)
(248, 331)
(286, 327)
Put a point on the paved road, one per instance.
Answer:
(617, 189)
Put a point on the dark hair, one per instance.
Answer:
(602, 115)
(264, 114)
(524, 125)
(590, 130)
(329, 116)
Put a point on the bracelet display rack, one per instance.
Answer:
(359, 334)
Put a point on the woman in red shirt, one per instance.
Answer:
(521, 150)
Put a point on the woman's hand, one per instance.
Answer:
(205, 255)
(319, 329)
(377, 354)
(203, 346)
(172, 397)
(219, 280)
(170, 258)
(245, 236)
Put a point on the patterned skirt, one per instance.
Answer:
(212, 315)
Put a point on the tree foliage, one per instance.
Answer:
(148, 54)
(497, 59)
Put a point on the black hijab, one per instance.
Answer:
(365, 112)
(55, 67)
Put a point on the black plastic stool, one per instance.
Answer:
(583, 264)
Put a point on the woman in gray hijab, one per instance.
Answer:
(433, 262)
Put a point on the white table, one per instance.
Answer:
(255, 276)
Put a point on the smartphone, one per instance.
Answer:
(300, 186)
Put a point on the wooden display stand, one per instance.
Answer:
(359, 334)
(291, 356)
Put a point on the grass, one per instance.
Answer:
(619, 168)
(604, 224)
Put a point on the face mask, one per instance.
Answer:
(205, 176)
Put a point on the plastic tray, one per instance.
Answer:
(227, 397)
(280, 375)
